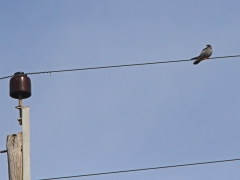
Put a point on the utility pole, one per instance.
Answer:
(18, 145)
(26, 143)
(14, 151)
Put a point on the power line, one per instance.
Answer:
(144, 169)
(6, 77)
(4, 151)
(117, 66)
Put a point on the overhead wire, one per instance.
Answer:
(116, 66)
(144, 169)
(129, 65)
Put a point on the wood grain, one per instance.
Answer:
(14, 153)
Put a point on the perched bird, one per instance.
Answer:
(205, 54)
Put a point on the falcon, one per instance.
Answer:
(205, 54)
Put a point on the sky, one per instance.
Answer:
(124, 118)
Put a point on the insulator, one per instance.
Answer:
(20, 86)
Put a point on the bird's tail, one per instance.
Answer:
(196, 62)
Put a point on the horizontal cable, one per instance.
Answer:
(4, 151)
(144, 169)
(118, 66)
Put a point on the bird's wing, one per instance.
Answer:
(206, 52)
(201, 56)
(195, 58)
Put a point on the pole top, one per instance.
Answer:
(17, 73)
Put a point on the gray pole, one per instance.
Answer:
(26, 142)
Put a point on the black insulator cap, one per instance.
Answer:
(20, 86)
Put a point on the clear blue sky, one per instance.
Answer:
(124, 118)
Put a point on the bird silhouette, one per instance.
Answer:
(205, 54)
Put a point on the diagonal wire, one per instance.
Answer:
(144, 169)
(6, 77)
(118, 66)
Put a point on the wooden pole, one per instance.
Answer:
(14, 153)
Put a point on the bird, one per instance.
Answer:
(205, 54)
